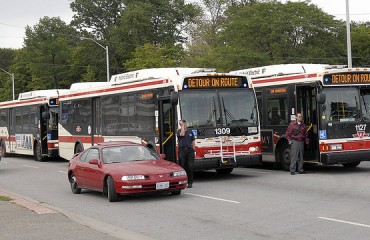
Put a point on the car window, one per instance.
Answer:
(90, 155)
(127, 153)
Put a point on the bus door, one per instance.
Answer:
(11, 133)
(167, 123)
(96, 128)
(44, 118)
(306, 104)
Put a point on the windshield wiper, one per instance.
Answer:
(209, 121)
(231, 116)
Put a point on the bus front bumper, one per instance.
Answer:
(344, 157)
(216, 163)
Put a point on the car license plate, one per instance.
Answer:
(162, 185)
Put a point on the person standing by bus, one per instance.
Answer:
(186, 151)
(297, 135)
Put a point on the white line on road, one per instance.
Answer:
(342, 221)
(219, 199)
(30, 166)
(62, 172)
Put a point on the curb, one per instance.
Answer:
(43, 208)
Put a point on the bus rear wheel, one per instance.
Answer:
(351, 165)
(38, 153)
(284, 156)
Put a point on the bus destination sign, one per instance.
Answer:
(215, 82)
(347, 78)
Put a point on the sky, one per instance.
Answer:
(15, 15)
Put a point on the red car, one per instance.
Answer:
(123, 168)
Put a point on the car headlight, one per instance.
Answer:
(133, 177)
(179, 173)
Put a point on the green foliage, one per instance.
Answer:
(360, 39)
(155, 56)
(221, 34)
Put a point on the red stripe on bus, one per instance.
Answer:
(281, 79)
(83, 139)
(113, 89)
(19, 102)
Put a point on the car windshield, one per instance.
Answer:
(118, 154)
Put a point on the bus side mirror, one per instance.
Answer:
(45, 115)
(174, 98)
(321, 98)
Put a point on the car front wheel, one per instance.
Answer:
(175, 193)
(74, 186)
(111, 191)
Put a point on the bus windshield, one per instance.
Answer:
(342, 105)
(221, 108)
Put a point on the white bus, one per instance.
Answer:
(145, 106)
(29, 125)
(334, 101)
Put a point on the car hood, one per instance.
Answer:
(144, 167)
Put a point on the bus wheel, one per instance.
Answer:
(351, 165)
(284, 156)
(38, 153)
(79, 148)
(224, 171)
(3, 149)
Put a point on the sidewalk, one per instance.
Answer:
(23, 218)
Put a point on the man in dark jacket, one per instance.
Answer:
(186, 152)
(297, 136)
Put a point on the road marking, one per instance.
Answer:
(62, 172)
(219, 199)
(342, 221)
(30, 166)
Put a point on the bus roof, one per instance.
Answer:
(88, 85)
(285, 69)
(42, 93)
(152, 73)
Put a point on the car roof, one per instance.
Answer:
(118, 143)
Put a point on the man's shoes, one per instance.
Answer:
(190, 185)
(292, 173)
(302, 172)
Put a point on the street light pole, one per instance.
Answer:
(12, 75)
(106, 51)
(349, 51)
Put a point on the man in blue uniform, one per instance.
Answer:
(186, 151)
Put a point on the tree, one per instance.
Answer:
(47, 53)
(157, 22)
(155, 56)
(360, 40)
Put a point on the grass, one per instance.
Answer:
(4, 198)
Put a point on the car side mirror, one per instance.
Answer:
(162, 155)
(94, 162)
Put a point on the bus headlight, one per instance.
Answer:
(336, 147)
(253, 149)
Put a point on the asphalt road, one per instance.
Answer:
(251, 203)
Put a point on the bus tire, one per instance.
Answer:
(351, 165)
(3, 149)
(38, 153)
(224, 171)
(284, 156)
(111, 190)
(79, 148)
